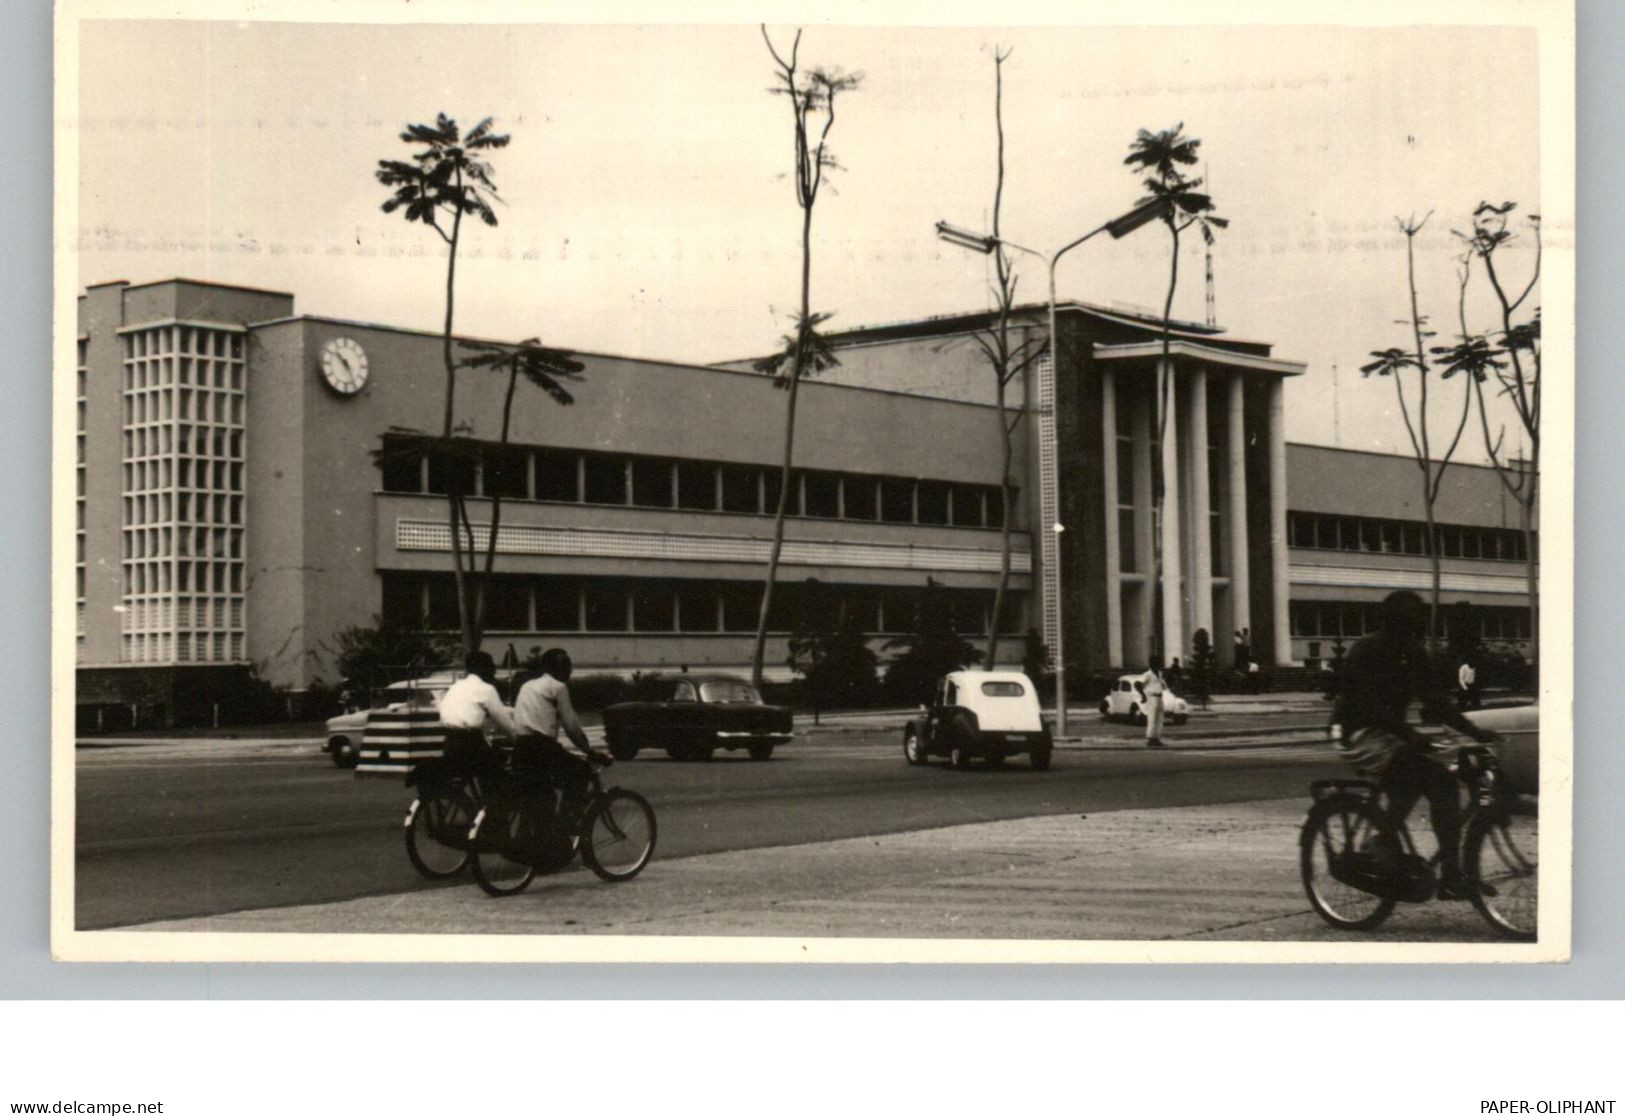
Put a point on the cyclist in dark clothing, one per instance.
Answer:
(1382, 676)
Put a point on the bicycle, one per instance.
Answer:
(1357, 863)
(521, 832)
(438, 821)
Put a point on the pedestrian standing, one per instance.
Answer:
(1466, 686)
(1153, 688)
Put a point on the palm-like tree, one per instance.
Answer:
(445, 179)
(542, 367)
(1157, 157)
(810, 94)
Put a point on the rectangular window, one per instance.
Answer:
(443, 615)
(696, 608)
(858, 495)
(792, 506)
(995, 507)
(1413, 538)
(862, 610)
(823, 495)
(1125, 473)
(1125, 539)
(1450, 542)
(897, 608)
(1326, 532)
(606, 479)
(933, 505)
(740, 491)
(1349, 534)
(1470, 543)
(740, 607)
(505, 473)
(1371, 535)
(897, 501)
(696, 486)
(651, 483)
(653, 609)
(606, 608)
(558, 605)
(507, 605)
(556, 477)
(449, 473)
(1300, 529)
(967, 505)
(785, 611)
(970, 611)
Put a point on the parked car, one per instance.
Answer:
(1125, 701)
(1519, 726)
(696, 715)
(980, 714)
(345, 731)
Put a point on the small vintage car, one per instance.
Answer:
(980, 714)
(694, 716)
(1125, 701)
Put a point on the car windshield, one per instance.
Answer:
(1002, 689)
(729, 693)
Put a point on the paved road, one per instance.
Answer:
(193, 828)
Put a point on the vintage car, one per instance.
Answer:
(344, 732)
(1519, 729)
(694, 716)
(980, 714)
(1125, 701)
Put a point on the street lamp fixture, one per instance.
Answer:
(1118, 227)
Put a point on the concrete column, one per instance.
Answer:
(1236, 493)
(1144, 525)
(1201, 534)
(1173, 613)
(1108, 473)
(1278, 556)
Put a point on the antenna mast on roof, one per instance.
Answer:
(1212, 305)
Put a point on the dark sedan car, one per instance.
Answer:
(697, 714)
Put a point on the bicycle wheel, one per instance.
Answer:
(618, 835)
(437, 834)
(501, 866)
(1342, 841)
(1502, 860)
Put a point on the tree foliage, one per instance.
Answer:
(933, 648)
(831, 654)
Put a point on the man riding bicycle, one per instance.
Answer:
(543, 711)
(471, 704)
(1383, 674)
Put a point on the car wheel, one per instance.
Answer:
(1040, 759)
(1136, 715)
(703, 754)
(678, 754)
(1105, 710)
(344, 752)
(761, 751)
(623, 751)
(913, 752)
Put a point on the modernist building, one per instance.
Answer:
(231, 513)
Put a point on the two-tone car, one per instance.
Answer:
(988, 715)
(1125, 701)
(345, 731)
(695, 715)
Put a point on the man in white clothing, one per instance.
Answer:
(470, 705)
(1152, 686)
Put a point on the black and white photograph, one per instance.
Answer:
(822, 489)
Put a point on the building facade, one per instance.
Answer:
(234, 514)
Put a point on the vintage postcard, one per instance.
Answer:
(786, 485)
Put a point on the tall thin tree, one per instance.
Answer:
(445, 180)
(1005, 361)
(810, 94)
(1395, 363)
(1519, 379)
(1157, 158)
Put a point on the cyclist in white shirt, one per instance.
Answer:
(470, 706)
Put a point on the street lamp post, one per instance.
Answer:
(1049, 539)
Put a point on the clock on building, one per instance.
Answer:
(344, 365)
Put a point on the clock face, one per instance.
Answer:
(344, 366)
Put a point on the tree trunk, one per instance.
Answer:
(1000, 593)
(1159, 482)
(466, 621)
(802, 326)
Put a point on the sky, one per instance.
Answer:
(648, 208)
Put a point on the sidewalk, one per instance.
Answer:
(1225, 872)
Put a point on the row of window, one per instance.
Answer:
(184, 647)
(569, 604)
(166, 341)
(148, 375)
(156, 508)
(1351, 620)
(144, 407)
(162, 575)
(566, 476)
(217, 476)
(164, 613)
(1402, 536)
